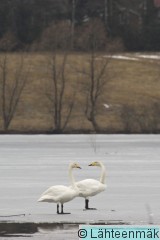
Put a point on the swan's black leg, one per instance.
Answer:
(87, 205)
(58, 208)
(62, 210)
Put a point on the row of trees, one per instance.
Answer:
(13, 80)
(62, 94)
(28, 19)
(25, 22)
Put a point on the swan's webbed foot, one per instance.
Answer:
(61, 213)
(87, 205)
(89, 209)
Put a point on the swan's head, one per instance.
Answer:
(75, 165)
(97, 164)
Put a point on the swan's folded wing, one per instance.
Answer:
(68, 195)
(58, 194)
(55, 190)
(89, 187)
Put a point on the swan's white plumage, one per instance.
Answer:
(58, 194)
(61, 193)
(90, 187)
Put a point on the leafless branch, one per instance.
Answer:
(12, 88)
(57, 93)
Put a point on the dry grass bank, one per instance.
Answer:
(134, 84)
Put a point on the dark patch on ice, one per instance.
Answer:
(14, 229)
(15, 215)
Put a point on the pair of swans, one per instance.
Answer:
(86, 188)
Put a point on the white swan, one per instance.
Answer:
(91, 187)
(61, 194)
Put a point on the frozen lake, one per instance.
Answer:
(29, 164)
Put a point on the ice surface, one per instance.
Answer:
(29, 164)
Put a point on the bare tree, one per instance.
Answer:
(105, 12)
(148, 118)
(73, 23)
(91, 35)
(12, 83)
(129, 118)
(94, 73)
(61, 104)
(96, 79)
(142, 119)
(55, 36)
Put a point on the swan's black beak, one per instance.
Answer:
(77, 166)
(90, 164)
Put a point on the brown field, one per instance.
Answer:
(134, 84)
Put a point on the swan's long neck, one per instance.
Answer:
(71, 177)
(103, 173)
